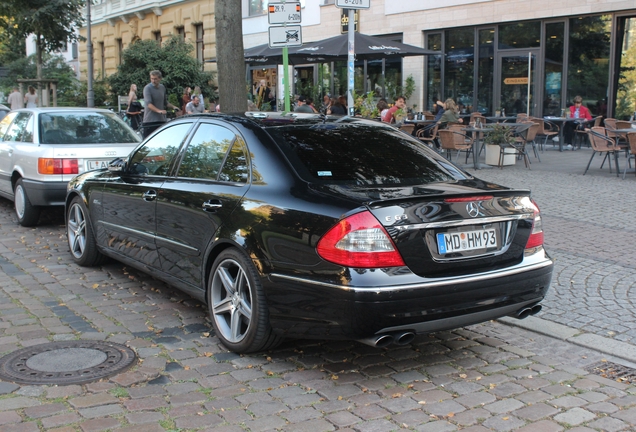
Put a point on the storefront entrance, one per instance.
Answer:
(516, 82)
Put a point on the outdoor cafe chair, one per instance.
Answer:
(455, 140)
(631, 152)
(426, 137)
(602, 144)
(528, 138)
(547, 130)
(521, 134)
(581, 133)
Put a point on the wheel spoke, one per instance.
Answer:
(222, 307)
(236, 325)
(227, 280)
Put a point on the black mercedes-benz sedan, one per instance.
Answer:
(306, 226)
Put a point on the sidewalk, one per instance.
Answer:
(540, 374)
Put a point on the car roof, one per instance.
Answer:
(267, 119)
(63, 109)
(4, 107)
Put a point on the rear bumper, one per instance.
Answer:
(304, 307)
(45, 193)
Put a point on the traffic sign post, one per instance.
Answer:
(284, 13)
(285, 36)
(353, 4)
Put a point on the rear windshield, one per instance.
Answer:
(361, 154)
(84, 128)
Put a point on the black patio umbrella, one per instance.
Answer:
(366, 48)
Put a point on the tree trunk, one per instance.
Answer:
(38, 64)
(229, 56)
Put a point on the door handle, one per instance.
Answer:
(149, 195)
(212, 205)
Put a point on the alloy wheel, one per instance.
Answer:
(19, 201)
(76, 230)
(231, 300)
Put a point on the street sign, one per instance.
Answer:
(283, 13)
(285, 36)
(353, 4)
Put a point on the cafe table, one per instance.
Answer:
(561, 121)
(477, 144)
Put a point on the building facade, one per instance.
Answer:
(514, 55)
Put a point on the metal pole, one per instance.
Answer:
(529, 83)
(286, 86)
(350, 62)
(90, 95)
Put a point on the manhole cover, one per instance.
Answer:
(64, 363)
(613, 371)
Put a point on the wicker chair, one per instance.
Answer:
(455, 140)
(631, 140)
(429, 138)
(547, 129)
(581, 134)
(602, 144)
(525, 138)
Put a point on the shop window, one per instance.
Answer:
(485, 71)
(626, 58)
(459, 67)
(520, 35)
(553, 78)
(588, 61)
(258, 7)
(433, 71)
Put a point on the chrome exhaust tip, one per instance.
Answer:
(377, 341)
(522, 313)
(404, 338)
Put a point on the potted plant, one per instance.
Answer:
(498, 136)
(399, 115)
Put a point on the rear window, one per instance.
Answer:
(84, 128)
(361, 154)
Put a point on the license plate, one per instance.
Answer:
(462, 241)
(97, 164)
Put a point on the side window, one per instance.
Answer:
(205, 153)
(15, 131)
(4, 124)
(27, 135)
(157, 154)
(235, 168)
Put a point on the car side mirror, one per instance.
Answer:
(117, 165)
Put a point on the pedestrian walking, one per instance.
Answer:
(31, 98)
(15, 100)
(156, 104)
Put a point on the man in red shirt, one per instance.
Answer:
(577, 111)
(389, 116)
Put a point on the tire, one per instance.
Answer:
(81, 240)
(28, 215)
(237, 305)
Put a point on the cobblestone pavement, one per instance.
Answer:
(485, 377)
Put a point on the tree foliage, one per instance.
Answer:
(53, 67)
(55, 21)
(11, 47)
(173, 58)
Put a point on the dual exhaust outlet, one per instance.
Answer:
(406, 337)
(386, 339)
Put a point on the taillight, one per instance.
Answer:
(536, 236)
(57, 166)
(359, 241)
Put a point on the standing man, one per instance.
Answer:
(15, 99)
(389, 116)
(156, 103)
(194, 106)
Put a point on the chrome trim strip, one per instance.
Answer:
(148, 236)
(446, 224)
(433, 282)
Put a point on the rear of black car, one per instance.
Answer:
(422, 247)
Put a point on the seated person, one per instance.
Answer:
(194, 106)
(450, 115)
(303, 107)
(577, 111)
